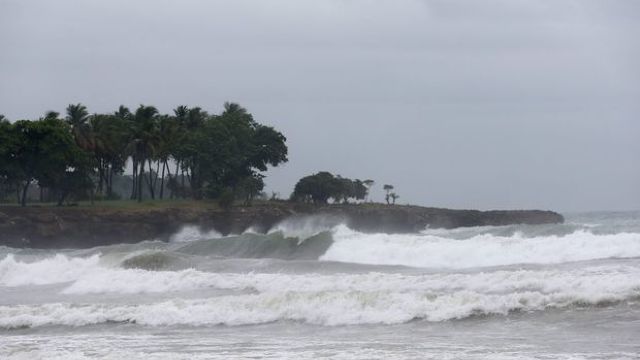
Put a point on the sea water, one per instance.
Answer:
(316, 289)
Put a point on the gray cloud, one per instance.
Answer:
(489, 104)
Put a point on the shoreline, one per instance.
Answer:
(85, 227)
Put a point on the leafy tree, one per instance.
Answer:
(321, 187)
(318, 188)
(250, 187)
(9, 167)
(46, 151)
(110, 138)
(213, 154)
(388, 190)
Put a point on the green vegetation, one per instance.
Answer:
(390, 197)
(190, 154)
(321, 187)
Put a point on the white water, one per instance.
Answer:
(325, 299)
(484, 250)
(467, 293)
(192, 233)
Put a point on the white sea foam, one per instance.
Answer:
(336, 306)
(190, 233)
(324, 299)
(607, 279)
(428, 250)
(306, 226)
(51, 270)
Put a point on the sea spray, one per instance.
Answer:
(189, 233)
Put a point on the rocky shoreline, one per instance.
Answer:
(84, 227)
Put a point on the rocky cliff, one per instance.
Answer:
(81, 227)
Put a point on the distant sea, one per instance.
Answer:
(308, 291)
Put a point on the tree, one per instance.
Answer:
(167, 143)
(77, 117)
(110, 133)
(394, 197)
(9, 167)
(250, 187)
(45, 151)
(228, 149)
(213, 154)
(143, 143)
(388, 189)
(321, 187)
(318, 188)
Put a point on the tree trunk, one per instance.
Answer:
(182, 186)
(110, 182)
(100, 175)
(155, 177)
(164, 165)
(134, 186)
(150, 183)
(176, 180)
(140, 178)
(24, 194)
(63, 196)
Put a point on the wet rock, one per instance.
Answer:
(84, 227)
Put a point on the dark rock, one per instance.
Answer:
(82, 227)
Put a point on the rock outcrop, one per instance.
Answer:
(83, 227)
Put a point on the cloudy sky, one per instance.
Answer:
(465, 104)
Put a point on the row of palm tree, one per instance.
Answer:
(153, 142)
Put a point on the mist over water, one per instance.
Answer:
(312, 287)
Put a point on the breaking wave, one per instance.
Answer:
(314, 298)
(447, 275)
(51, 270)
(482, 250)
(190, 233)
(340, 299)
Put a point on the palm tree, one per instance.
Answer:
(169, 130)
(51, 115)
(184, 117)
(123, 112)
(233, 109)
(77, 117)
(110, 138)
(144, 141)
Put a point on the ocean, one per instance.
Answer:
(313, 288)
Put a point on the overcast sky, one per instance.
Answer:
(464, 104)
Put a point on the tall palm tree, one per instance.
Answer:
(77, 117)
(168, 139)
(110, 139)
(182, 116)
(144, 141)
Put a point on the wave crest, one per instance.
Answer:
(483, 250)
